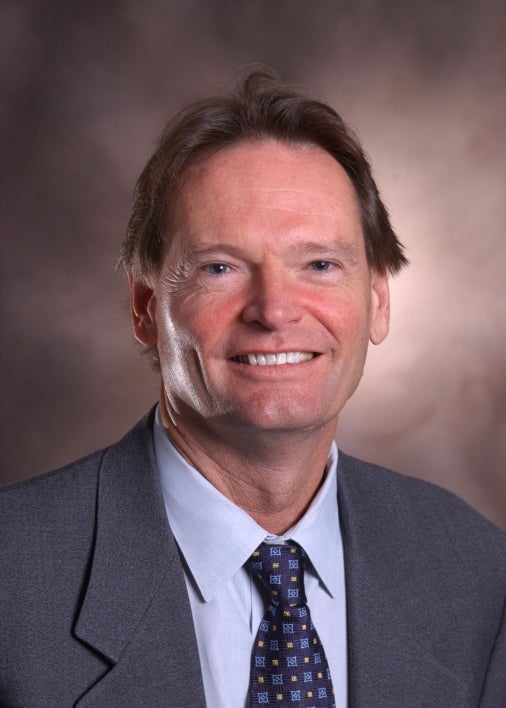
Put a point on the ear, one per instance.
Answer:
(143, 302)
(380, 307)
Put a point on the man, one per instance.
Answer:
(258, 255)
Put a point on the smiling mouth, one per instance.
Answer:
(264, 359)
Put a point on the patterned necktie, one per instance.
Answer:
(288, 667)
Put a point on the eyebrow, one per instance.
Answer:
(337, 249)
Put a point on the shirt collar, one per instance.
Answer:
(216, 537)
(318, 531)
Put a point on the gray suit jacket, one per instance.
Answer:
(94, 610)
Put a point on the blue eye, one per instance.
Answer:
(321, 266)
(217, 268)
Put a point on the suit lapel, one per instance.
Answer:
(391, 662)
(135, 609)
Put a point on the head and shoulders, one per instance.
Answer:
(258, 254)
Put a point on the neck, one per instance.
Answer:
(272, 475)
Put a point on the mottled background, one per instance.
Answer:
(87, 88)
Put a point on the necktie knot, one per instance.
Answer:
(280, 569)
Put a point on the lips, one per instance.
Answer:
(271, 359)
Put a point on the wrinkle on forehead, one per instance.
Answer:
(261, 201)
(274, 153)
(221, 204)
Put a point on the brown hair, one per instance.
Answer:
(260, 106)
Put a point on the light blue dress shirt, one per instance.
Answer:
(216, 538)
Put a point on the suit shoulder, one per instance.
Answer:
(74, 480)
(80, 472)
(416, 506)
(41, 515)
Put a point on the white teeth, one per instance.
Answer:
(275, 359)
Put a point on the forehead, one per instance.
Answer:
(267, 183)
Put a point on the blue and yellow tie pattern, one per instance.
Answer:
(289, 668)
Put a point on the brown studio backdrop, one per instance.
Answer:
(86, 91)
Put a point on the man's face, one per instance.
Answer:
(264, 305)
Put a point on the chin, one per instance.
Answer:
(282, 418)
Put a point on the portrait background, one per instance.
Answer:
(86, 91)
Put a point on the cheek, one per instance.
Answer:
(190, 328)
(348, 320)
(204, 312)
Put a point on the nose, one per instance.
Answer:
(272, 301)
